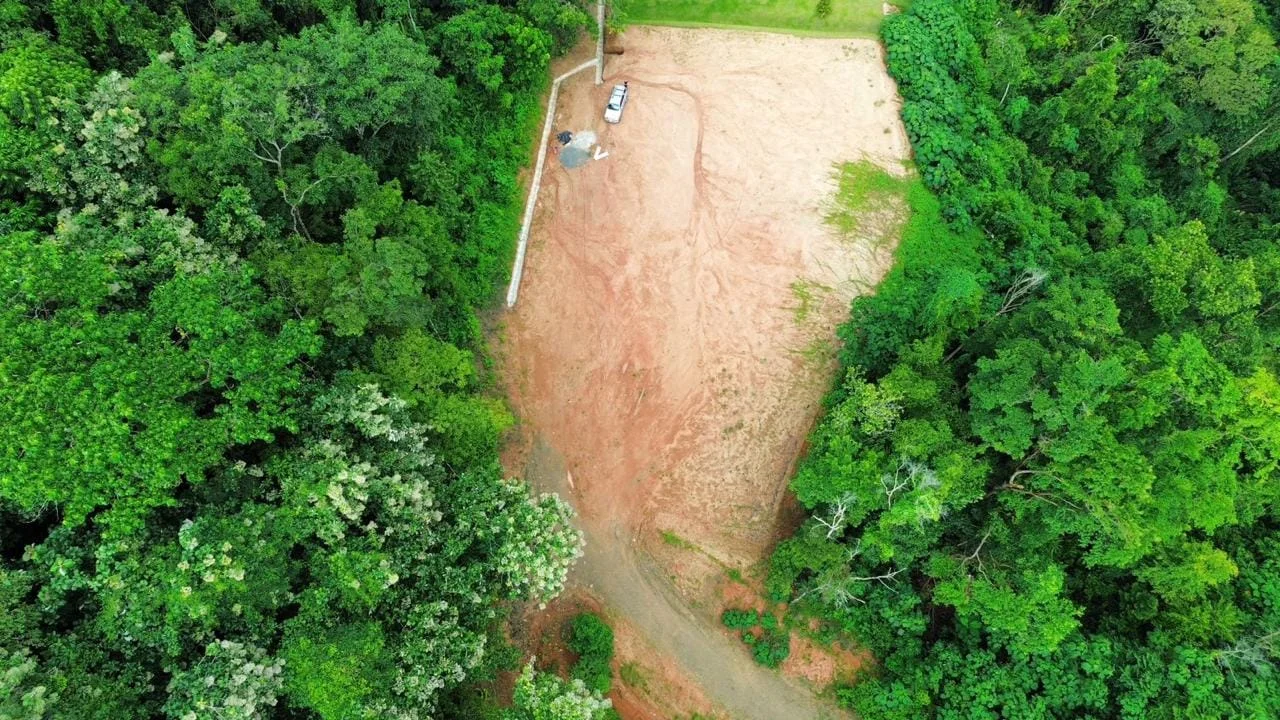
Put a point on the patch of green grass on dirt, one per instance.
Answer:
(819, 351)
(863, 190)
(847, 18)
(676, 541)
(806, 294)
(632, 675)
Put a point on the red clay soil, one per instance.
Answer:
(675, 330)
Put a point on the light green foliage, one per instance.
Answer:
(543, 696)
(336, 674)
(438, 380)
(96, 393)
(633, 675)
(34, 74)
(94, 162)
(231, 682)
(1025, 611)
(1220, 50)
(538, 543)
(857, 18)
(864, 193)
(676, 541)
(1183, 272)
(376, 506)
(23, 700)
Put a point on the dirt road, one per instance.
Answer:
(632, 584)
(675, 332)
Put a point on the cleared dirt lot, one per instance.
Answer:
(675, 330)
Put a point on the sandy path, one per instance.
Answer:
(675, 331)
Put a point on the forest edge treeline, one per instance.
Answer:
(1046, 485)
(250, 463)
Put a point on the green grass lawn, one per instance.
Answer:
(848, 18)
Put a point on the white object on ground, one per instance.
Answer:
(599, 42)
(583, 140)
(601, 153)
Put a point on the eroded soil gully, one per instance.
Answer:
(675, 331)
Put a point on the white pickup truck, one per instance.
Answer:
(617, 101)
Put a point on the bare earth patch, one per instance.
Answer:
(675, 330)
(822, 666)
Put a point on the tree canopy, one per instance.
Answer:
(250, 468)
(1046, 486)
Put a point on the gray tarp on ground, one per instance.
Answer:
(578, 152)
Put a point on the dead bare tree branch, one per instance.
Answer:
(1251, 140)
(839, 508)
(1016, 296)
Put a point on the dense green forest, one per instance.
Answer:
(249, 464)
(1046, 486)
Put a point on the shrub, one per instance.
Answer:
(589, 635)
(771, 648)
(823, 9)
(740, 619)
(592, 639)
(595, 674)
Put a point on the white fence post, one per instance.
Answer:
(599, 42)
(517, 269)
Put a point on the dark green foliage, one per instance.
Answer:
(250, 467)
(592, 639)
(771, 648)
(1043, 487)
(771, 645)
(740, 619)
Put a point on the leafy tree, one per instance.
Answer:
(231, 682)
(541, 696)
(34, 74)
